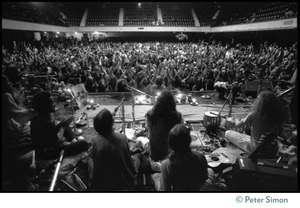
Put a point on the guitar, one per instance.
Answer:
(223, 155)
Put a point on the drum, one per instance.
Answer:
(211, 119)
(230, 123)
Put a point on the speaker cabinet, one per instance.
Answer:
(252, 87)
(261, 175)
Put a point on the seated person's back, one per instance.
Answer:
(48, 138)
(113, 165)
(183, 170)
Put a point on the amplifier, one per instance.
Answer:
(263, 175)
(252, 87)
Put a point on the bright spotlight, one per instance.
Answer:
(179, 95)
(141, 98)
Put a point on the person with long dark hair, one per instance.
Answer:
(49, 138)
(160, 120)
(267, 115)
(184, 169)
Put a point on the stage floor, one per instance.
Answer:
(189, 112)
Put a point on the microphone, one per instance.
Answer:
(117, 108)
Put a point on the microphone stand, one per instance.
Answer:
(72, 106)
(123, 118)
(230, 97)
(117, 108)
(54, 179)
(230, 105)
(133, 114)
(286, 91)
(123, 113)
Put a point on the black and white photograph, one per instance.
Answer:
(151, 97)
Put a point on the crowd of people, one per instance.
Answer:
(106, 66)
(149, 67)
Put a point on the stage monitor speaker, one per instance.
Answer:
(252, 87)
(261, 175)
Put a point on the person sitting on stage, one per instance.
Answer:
(267, 116)
(16, 116)
(17, 148)
(48, 138)
(114, 168)
(184, 169)
(160, 120)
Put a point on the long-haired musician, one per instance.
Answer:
(267, 115)
(160, 120)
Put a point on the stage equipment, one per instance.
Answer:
(121, 104)
(117, 108)
(123, 118)
(222, 155)
(263, 175)
(229, 100)
(144, 98)
(194, 102)
(256, 86)
(286, 91)
(91, 104)
(205, 96)
(221, 88)
(83, 120)
(211, 119)
(71, 101)
(199, 139)
(54, 179)
(133, 114)
(181, 98)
